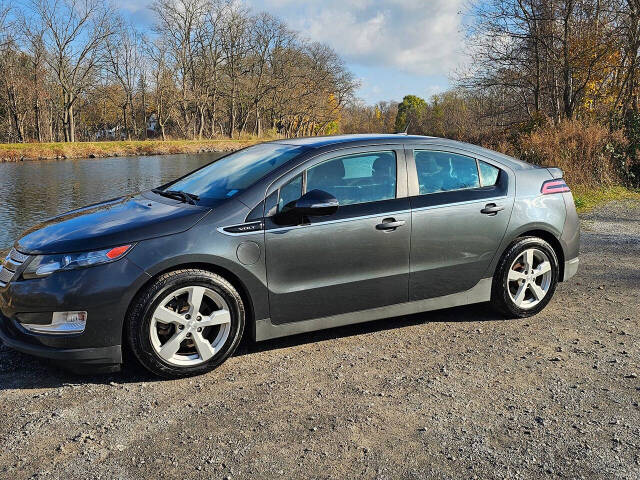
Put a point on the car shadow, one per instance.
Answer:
(469, 313)
(21, 371)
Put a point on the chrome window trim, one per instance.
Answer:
(328, 222)
(362, 217)
(465, 202)
(341, 220)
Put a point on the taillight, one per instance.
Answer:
(554, 186)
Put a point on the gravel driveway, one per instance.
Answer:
(459, 393)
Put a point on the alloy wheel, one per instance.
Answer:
(529, 278)
(190, 326)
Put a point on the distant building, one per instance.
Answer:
(152, 124)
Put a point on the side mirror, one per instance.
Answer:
(316, 203)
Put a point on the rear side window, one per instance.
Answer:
(488, 174)
(362, 178)
(443, 172)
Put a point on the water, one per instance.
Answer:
(36, 190)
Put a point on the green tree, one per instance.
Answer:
(410, 112)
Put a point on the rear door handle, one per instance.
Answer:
(491, 209)
(390, 224)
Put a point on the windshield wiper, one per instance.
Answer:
(186, 197)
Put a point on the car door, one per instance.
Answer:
(348, 261)
(461, 207)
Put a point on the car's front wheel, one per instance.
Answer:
(526, 278)
(186, 322)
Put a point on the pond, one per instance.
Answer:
(36, 190)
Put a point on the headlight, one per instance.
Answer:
(44, 265)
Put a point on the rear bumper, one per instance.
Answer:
(570, 268)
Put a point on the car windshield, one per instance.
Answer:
(236, 172)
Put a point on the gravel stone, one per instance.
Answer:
(460, 393)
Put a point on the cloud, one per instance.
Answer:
(133, 6)
(415, 36)
(394, 47)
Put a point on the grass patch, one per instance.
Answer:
(586, 198)
(16, 152)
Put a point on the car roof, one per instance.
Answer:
(327, 142)
(373, 138)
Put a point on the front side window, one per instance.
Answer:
(290, 192)
(234, 173)
(360, 178)
(443, 172)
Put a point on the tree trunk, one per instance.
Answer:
(124, 119)
(567, 93)
(144, 114)
(36, 113)
(72, 125)
(133, 124)
(15, 117)
(201, 121)
(65, 123)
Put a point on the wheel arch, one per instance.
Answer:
(227, 274)
(545, 234)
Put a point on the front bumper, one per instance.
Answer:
(97, 359)
(104, 292)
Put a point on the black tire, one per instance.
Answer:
(500, 298)
(137, 328)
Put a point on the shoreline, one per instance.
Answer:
(20, 152)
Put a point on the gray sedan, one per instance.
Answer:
(288, 237)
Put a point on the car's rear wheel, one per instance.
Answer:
(526, 277)
(186, 322)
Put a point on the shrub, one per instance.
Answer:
(589, 154)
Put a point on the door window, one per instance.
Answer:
(361, 178)
(488, 174)
(290, 192)
(442, 172)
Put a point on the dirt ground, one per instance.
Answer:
(459, 393)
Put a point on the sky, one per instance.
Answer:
(393, 47)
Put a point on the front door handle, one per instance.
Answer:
(491, 209)
(390, 224)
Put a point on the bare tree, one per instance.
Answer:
(74, 34)
(74, 70)
(178, 23)
(124, 50)
(163, 87)
(235, 45)
(542, 56)
(12, 64)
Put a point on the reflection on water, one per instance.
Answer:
(34, 191)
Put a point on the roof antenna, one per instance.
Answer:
(406, 129)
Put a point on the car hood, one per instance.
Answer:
(112, 223)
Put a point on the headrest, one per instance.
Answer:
(331, 170)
